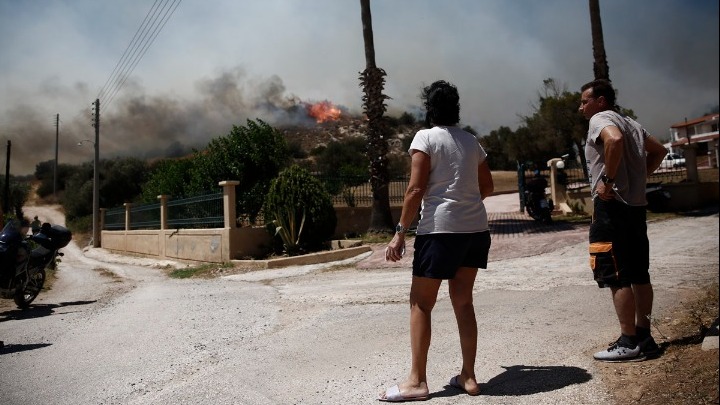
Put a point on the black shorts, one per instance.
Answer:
(439, 255)
(619, 247)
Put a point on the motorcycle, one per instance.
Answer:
(538, 206)
(24, 259)
(658, 199)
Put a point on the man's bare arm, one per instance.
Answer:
(655, 154)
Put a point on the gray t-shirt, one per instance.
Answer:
(631, 177)
(452, 202)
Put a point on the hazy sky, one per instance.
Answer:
(220, 62)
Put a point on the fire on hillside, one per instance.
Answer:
(323, 111)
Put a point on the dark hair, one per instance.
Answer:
(442, 104)
(602, 88)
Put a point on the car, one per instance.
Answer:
(672, 161)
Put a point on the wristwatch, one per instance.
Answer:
(400, 229)
(607, 180)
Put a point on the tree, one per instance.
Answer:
(372, 80)
(494, 145)
(121, 181)
(253, 154)
(556, 124)
(44, 171)
(600, 65)
(554, 129)
(168, 177)
(18, 193)
(79, 203)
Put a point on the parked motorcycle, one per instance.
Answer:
(23, 259)
(658, 199)
(538, 206)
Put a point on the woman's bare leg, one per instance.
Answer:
(461, 295)
(423, 295)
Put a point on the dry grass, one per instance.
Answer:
(684, 373)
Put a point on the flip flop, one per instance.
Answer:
(456, 384)
(393, 395)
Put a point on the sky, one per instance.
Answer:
(218, 63)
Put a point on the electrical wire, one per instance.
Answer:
(147, 33)
(138, 44)
(131, 46)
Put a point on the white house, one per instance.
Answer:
(701, 132)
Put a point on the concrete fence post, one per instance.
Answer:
(229, 210)
(558, 193)
(163, 211)
(127, 215)
(690, 154)
(102, 223)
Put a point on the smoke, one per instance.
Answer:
(149, 126)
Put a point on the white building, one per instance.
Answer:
(702, 132)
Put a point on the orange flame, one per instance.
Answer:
(323, 111)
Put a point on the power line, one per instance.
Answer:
(141, 46)
(131, 45)
(138, 41)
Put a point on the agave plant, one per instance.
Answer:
(286, 227)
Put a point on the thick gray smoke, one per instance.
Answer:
(149, 126)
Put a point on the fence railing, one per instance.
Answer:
(206, 211)
(146, 216)
(114, 219)
(203, 211)
(356, 191)
(574, 177)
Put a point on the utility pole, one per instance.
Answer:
(55, 169)
(6, 195)
(96, 178)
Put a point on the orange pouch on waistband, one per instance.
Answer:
(602, 261)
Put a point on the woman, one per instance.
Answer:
(449, 176)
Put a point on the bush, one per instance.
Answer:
(301, 211)
(253, 155)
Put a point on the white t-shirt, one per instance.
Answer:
(452, 202)
(631, 176)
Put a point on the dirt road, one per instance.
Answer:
(115, 330)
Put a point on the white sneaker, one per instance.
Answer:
(616, 353)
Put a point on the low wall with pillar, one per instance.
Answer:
(215, 245)
(686, 196)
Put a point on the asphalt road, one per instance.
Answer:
(115, 330)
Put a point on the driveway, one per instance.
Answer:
(115, 330)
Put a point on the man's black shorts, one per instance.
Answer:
(619, 247)
(439, 255)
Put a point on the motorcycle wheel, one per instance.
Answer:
(529, 204)
(23, 297)
(547, 218)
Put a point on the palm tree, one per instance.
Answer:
(600, 65)
(372, 80)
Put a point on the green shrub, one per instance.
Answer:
(252, 154)
(301, 211)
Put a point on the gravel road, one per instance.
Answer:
(116, 330)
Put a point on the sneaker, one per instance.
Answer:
(618, 353)
(648, 347)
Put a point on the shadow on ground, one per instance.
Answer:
(523, 380)
(37, 310)
(10, 348)
(516, 223)
(528, 380)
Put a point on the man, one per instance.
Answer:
(35, 225)
(620, 156)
